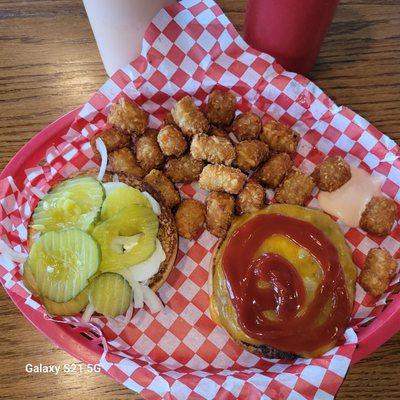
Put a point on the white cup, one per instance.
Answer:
(119, 26)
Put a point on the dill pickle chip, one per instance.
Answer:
(62, 262)
(74, 203)
(70, 307)
(127, 238)
(120, 197)
(110, 294)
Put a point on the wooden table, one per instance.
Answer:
(49, 64)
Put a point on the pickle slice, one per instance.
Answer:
(120, 197)
(71, 307)
(127, 238)
(72, 203)
(110, 294)
(29, 280)
(62, 262)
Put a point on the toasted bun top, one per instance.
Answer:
(167, 233)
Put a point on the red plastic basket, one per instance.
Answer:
(86, 346)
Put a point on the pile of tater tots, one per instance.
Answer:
(234, 157)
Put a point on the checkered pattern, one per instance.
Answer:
(191, 47)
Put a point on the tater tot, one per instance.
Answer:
(112, 139)
(221, 107)
(250, 153)
(158, 181)
(279, 137)
(189, 118)
(246, 126)
(214, 149)
(128, 117)
(148, 152)
(221, 178)
(169, 119)
(171, 141)
(123, 160)
(331, 174)
(378, 271)
(250, 198)
(296, 188)
(190, 218)
(379, 216)
(219, 213)
(183, 169)
(272, 172)
(215, 131)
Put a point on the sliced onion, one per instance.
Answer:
(137, 293)
(125, 243)
(111, 186)
(101, 147)
(151, 300)
(115, 178)
(38, 193)
(11, 253)
(127, 318)
(147, 268)
(89, 311)
(153, 202)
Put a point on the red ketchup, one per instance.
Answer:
(292, 31)
(284, 292)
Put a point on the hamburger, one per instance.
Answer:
(282, 282)
(100, 245)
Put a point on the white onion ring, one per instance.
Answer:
(101, 147)
(11, 253)
(137, 293)
(151, 300)
(89, 311)
(155, 205)
(115, 178)
(122, 323)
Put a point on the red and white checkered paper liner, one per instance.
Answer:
(190, 48)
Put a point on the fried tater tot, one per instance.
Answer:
(379, 216)
(214, 149)
(246, 126)
(169, 119)
(189, 118)
(221, 178)
(190, 218)
(296, 188)
(219, 213)
(219, 132)
(331, 174)
(272, 172)
(129, 117)
(148, 152)
(251, 198)
(171, 141)
(221, 107)
(183, 169)
(112, 139)
(279, 137)
(123, 160)
(378, 271)
(158, 181)
(250, 153)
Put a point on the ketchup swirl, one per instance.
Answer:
(270, 282)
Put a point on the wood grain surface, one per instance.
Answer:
(49, 64)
